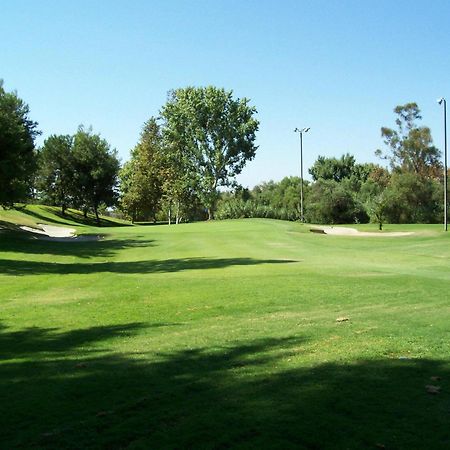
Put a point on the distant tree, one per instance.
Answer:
(56, 170)
(214, 132)
(17, 151)
(377, 206)
(333, 168)
(333, 203)
(410, 147)
(96, 170)
(142, 177)
(412, 199)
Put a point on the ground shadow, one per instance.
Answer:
(72, 215)
(17, 267)
(94, 245)
(61, 396)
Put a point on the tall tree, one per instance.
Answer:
(214, 134)
(142, 176)
(17, 151)
(96, 170)
(56, 169)
(410, 147)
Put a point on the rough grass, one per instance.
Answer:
(224, 335)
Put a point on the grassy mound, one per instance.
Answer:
(234, 334)
(32, 215)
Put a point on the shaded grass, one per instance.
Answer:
(224, 335)
(32, 215)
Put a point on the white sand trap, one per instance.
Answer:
(344, 231)
(51, 231)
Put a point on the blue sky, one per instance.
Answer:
(339, 67)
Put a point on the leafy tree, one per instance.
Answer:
(410, 147)
(215, 135)
(377, 206)
(96, 169)
(142, 177)
(56, 169)
(412, 199)
(333, 168)
(333, 203)
(17, 151)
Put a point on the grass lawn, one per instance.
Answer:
(223, 335)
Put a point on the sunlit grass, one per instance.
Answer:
(224, 335)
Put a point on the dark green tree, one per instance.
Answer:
(214, 134)
(333, 203)
(56, 170)
(96, 170)
(17, 152)
(142, 177)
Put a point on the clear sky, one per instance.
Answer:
(339, 67)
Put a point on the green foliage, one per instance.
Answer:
(412, 199)
(267, 200)
(95, 173)
(142, 178)
(17, 152)
(56, 171)
(212, 136)
(333, 168)
(331, 202)
(410, 147)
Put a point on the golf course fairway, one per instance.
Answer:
(245, 334)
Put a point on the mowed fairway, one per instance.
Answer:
(224, 335)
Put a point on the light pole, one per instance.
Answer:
(301, 131)
(443, 102)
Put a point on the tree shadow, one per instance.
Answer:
(18, 268)
(85, 246)
(71, 215)
(245, 395)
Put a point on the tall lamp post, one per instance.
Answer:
(443, 102)
(301, 131)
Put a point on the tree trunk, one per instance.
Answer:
(170, 216)
(85, 213)
(96, 215)
(63, 209)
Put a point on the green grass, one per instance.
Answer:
(224, 335)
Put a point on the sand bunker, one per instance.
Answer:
(343, 231)
(51, 231)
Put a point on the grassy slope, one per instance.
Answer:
(33, 215)
(224, 335)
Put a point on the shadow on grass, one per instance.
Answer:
(71, 215)
(64, 396)
(17, 267)
(18, 241)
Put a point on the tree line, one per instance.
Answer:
(195, 148)
(343, 191)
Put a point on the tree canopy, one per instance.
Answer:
(55, 180)
(214, 135)
(17, 151)
(95, 171)
(410, 147)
